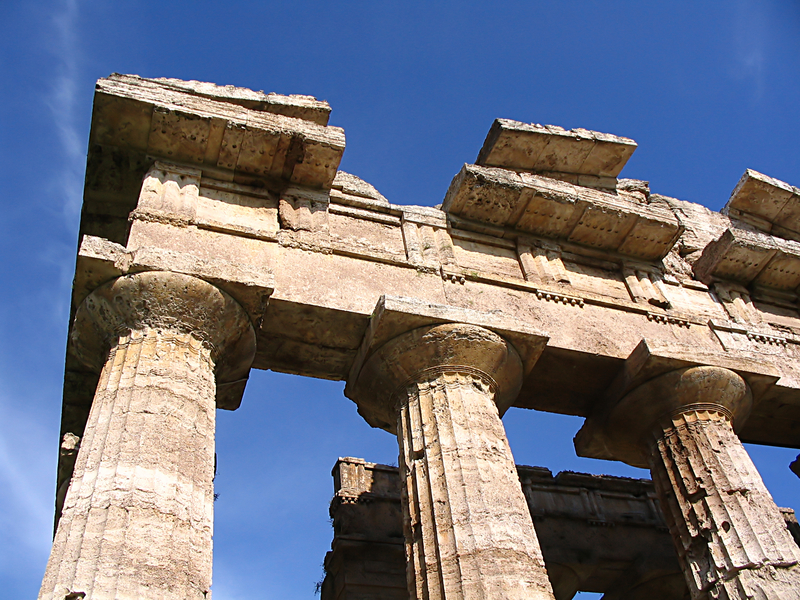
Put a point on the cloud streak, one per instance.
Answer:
(61, 101)
(65, 184)
(27, 521)
(750, 37)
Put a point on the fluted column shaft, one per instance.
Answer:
(142, 484)
(469, 533)
(729, 534)
(138, 515)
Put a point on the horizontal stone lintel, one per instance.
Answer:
(559, 210)
(532, 147)
(766, 203)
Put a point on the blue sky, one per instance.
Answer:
(707, 89)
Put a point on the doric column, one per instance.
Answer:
(468, 529)
(730, 536)
(137, 518)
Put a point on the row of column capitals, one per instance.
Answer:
(171, 304)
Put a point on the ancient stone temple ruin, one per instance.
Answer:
(218, 236)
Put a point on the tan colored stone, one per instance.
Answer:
(137, 518)
(597, 283)
(767, 204)
(532, 147)
(562, 211)
(468, 533)
(728, 533)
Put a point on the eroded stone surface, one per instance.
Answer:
(549, 148)
(766, 203)
(598, 534)
(577, 269)
(138, 516)
(467, 531)
(727, 530)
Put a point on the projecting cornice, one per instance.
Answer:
(599, 157)
(768, 204)
(555, 209)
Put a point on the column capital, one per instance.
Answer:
(653, 389)
(429, 351)
(408, 340)
(697, 393)
(170, 303)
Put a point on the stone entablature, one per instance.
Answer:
(594, 303)
(575, 287)
(280, 234)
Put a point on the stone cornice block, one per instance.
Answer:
(751, 257)
(599, 437)
(198, 125)
(294, 105)
(766, 203)
(559, 210)
(536, 148)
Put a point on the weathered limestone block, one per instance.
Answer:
(554, 209)
(769, 204)
(294, 105)
(729, 534)
(751, 258)
(235, 135)
(467, 528)
(137, 518)
(531, 147)
(277, 137)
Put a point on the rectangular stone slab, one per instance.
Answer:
(532, 147)
(177, 124)
(559, 210)
(751, 257)
(765, 202)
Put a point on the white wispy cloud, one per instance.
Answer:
(26, 478)
(65, 185)
(61, 101)
(750, 38)
(27, 483)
